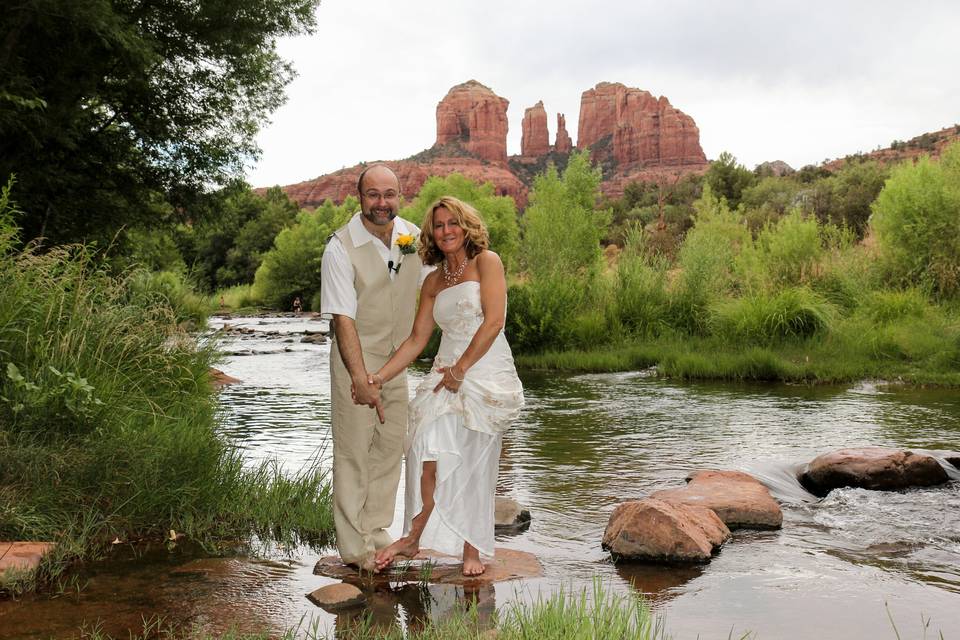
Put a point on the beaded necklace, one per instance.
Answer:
(453, 277)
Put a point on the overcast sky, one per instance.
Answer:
(765, 80)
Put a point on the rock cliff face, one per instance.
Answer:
(626, 126)
(535, 140)
(412, 174)
(631, 134)
(474, 117)
(564, 143)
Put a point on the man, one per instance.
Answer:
(371, 302)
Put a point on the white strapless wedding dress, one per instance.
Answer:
(461, 431)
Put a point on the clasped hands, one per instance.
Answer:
(368, 391)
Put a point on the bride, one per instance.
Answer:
(470, 397)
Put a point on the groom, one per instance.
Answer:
(371, 302)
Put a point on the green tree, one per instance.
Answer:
(499, 213)
(106, 105)
(727, 179)
(292, 267)
(226, 249)
(560, 249)
(561, 226)
(917, 221)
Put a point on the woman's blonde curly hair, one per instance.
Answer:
(476, 232)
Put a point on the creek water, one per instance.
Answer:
(857, 564)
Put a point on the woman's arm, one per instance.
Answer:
(422, 329)
(493, 301)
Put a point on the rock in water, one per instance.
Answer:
(509, 516)
(657, 531)
(336, 597)
(876, 468)
(739, 499)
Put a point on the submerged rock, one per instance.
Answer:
(336, 597)
(876, 468)
(314, 338)
(658, 531)
(22, 556)
(740, 500)
(509, 516)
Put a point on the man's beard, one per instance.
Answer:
(377, 218)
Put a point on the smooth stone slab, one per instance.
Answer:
(437, 568)
(876, 468)
(219, 379)
(336, 597)
(22, 556)
(652, 530)
(739, 499)
(509, 516)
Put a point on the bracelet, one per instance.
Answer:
(450, 371)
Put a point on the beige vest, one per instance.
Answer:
(385, 307)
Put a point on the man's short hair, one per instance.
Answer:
(374, 166)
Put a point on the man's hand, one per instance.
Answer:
(367, 392)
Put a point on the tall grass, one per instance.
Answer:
(107, 419)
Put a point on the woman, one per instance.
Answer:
(466, 402)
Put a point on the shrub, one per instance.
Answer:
(796, 312)
(917, 222)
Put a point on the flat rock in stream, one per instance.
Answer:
(437, 568)
(22, 556)
(337, 597)
(875, 468)
(652, 530)
(739, 499)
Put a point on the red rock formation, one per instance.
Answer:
(340, 184)
(535, 140)
(630, 126)
(634, 135)
(474, 117)
(564, 143)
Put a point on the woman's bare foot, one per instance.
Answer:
(471, 561)
(406, 547)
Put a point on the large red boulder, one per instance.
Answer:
(657, 531)
(739, 499)
(876, 468)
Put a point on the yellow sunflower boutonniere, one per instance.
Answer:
(407, 243)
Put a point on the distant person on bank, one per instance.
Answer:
(369, 294)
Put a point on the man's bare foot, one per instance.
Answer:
(471, 561)
(406, 547)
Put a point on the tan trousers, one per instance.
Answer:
(366, 460)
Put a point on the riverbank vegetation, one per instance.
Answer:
(108, 420)
(780, 287)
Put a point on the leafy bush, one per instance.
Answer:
(707, 263)
(917, 222)
(796, 312)
(641, 298)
